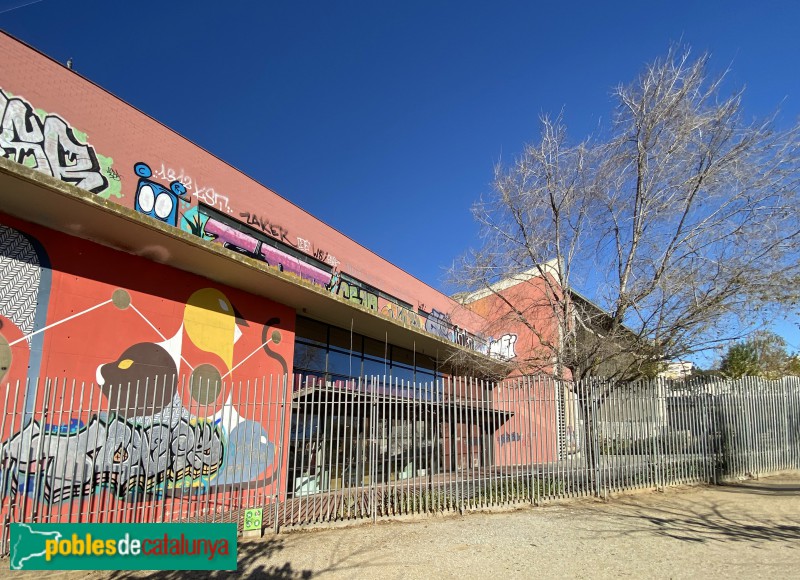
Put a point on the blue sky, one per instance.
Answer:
(385, 119)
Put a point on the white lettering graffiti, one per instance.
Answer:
(170, 175)
(48, 144)
(306, 246)
(503, 347)
(208, 195)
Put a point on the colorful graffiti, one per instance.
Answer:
(127, 458)
(155, 200)
(353, 293)
(248, 240)
(47, 143)
(253, 247)
(402, 315)
(161, 365)
(439, 324)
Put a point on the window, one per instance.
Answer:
(337, 353)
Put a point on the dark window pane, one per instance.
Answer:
(425, 362)
(402, 355)
(374, 347)
(343, 339)
(308, 357)
(311, 330)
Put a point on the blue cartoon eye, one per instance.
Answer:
(147, 198)
(163, 205)
(142, 170)
(177, 188)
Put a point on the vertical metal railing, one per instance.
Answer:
(311, 450)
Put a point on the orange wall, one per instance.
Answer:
(120, 136)
(529, 298)
(115, 340)
(529, 435)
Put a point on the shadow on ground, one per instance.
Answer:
(263, 559)
(257, 559)
(760, 487)
(710, 520)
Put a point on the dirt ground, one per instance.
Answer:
(747, 530)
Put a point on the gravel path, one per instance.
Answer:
(749, 530)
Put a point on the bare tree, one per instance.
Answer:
(681, 218)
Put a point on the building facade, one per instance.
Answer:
(144, 281)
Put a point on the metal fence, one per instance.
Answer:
(311, 451)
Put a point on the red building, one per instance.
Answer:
(142, 277)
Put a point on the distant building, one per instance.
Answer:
(677, 370)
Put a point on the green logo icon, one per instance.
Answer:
(253, 519)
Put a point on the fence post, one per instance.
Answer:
(373, 451)
(279, 466)
(594, 439)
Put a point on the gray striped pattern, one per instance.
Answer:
(20, 273)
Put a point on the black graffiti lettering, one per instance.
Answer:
(48, 145)
(271, 229)
(512, 437)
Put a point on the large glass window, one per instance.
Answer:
(309, 356)
(339, 354)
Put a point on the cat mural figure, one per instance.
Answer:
(155, 200)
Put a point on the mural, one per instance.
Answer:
(159, 401)
(124, 457)
(200, 222)
(24, 294)
(157, 201)
(47, 143)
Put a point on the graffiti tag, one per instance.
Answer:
(503, 347)
(269, 228)
(505, 438)
(116, 454)
(46, 143)
(306, 246)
